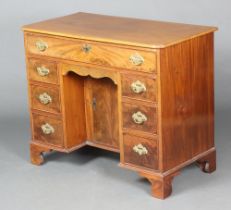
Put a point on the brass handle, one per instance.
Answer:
(138, 87)
(45, 99)
(140, 149)
(47, 129)
(43, 71)
(41, 45)
(139, 117)
(136, 59)
(86, 48)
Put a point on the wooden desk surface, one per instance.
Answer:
(128, 31)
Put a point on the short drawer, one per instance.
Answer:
(47, 130)
(139, 117)
(45, 98)
(42, 71)
(140, 151)
(138, 87)
(91, 52)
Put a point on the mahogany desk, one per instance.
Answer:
(138, 87)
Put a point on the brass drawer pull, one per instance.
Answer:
(139, 117)
(136, 59)
(138, 87)
(43, 71)
(86, 48)
(140, 149)
(41, 45)
(47, 129)
(45, 99)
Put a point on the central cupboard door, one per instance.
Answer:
(101, 106)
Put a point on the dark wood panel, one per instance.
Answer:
(147, 91)
(102, 111)
(149, 159)
(187, 99)
(55, 137)
(39, 92)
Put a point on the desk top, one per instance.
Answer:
(127, 31)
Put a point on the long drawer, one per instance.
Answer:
(91, 52)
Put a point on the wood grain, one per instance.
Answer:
(150, 84)
(94, 72)
(131, 107)
(103, 55)
(187, 99)
(54, 106)
(161, 185)
(55, 138)
(92, 101)
(119, 30)
(149, 160)
(102, 111)
(72, 87)
(33, 64)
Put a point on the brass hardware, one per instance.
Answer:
(41, 45)
(47, 129)
(86, 48)
(140, 149)
(136, 59)
(44, 98)
(138, 87)
(43, 71)
(139, 117)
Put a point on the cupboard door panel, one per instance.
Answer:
(102, 111)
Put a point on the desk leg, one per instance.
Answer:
(36, 153)
(161, 185)
(208, 163)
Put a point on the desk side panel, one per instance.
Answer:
(187, 99)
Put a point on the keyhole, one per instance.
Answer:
(94, 103)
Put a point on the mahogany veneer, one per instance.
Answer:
(147, 94)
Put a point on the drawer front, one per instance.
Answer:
(42, 71)
(139, 87)
(140, 151)
(90, 52)
(139, 117)
(47, 130)
(45, 98)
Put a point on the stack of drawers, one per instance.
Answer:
(140, 120)
(45, 102)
